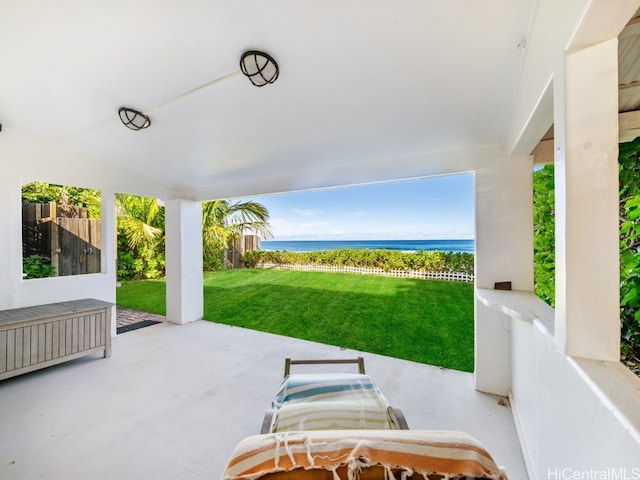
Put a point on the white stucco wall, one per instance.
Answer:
(564, 419)
(25, 158)
(573, 415)
(504, 253)
(577, 417)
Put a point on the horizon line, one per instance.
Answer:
(367, 239)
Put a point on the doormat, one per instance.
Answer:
(135, 326)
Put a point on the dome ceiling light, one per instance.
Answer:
(259, 67)
(133, 119)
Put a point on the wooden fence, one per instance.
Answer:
(419, 274)
(242, 244)
(70, 239)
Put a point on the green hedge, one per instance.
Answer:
(629, 163)
(430, 261)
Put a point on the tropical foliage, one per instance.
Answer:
(223, 221)
(630, 246)
(141, 233)
(140, 226)
(140, 223)
(544, 234)
(67, 198)
(386, 259)
(37, 266)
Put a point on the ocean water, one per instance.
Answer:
(464, 246)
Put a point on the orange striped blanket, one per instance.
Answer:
(346, 454)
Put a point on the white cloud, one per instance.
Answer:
(290, 227)
(307, 212)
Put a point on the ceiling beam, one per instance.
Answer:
(631, 30)
(376, 171)
(629, 89)
(628, 125)
(543, 153)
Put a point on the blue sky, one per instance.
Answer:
(438, 207)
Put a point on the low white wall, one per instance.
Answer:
(576, 418)
(492, 351)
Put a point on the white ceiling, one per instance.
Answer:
(368, 89)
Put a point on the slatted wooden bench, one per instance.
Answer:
(36, 337)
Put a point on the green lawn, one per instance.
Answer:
(420, 320)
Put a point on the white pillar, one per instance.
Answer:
(504, 253)
(586, 185)
(183, 252)
(108, 265)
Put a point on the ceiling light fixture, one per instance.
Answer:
(259, 67)
(133, 119)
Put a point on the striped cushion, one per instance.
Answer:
(345, 455)
(330, 401)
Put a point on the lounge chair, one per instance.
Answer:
(330, 401)
(341, 427)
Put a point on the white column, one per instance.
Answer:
(586, 185)
(108, 265)
(504, 253)
(183, 252)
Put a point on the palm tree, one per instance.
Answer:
(140, 219)
(140, 222)
(141, 231)
(223, 221)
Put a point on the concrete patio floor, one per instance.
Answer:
(172, 402)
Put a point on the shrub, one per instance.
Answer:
(629, 163)
(37, 266)
(140, 263)
(544, 264)
(385, 259)
(213, 263)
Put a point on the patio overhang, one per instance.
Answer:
(366, 93)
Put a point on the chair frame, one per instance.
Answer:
(396, 415)
(288, 362)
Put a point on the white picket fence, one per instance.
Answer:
(419, 274)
